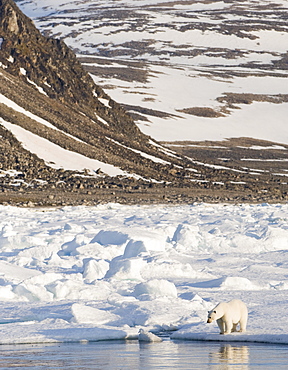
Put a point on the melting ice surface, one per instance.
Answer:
(99, 273)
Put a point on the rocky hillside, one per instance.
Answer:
(46, 92)
(53, 67)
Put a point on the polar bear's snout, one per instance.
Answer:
(211, 317)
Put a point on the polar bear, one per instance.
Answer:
(229, 315)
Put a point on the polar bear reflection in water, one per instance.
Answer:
(229, 315)
(230, 357)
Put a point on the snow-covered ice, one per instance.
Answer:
(105, 272)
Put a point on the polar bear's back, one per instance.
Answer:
(238, 309)
(237, 303)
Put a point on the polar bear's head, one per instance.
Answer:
(216, 313)
(211, 316)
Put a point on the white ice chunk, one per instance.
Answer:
(110, 237)
(6, 293)
(230, 283)
(32, 292)
(154, 289)
(83, 314)
(125, 268)
(135, 249)
(16, 273)
(69, 289)
(70, 248)
(94, 270)
(145, 241)
(188, 236)
(146, 336)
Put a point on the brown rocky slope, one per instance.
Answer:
(43, 76)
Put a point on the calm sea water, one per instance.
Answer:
(116, 355)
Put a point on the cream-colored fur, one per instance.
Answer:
(229, 315)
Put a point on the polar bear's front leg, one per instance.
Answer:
(228, 325)
(220, 323)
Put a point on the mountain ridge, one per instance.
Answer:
(52, 85)
(50, 64)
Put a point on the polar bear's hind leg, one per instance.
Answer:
(243, 321)
(243, 324)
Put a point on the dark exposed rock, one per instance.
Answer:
(43, 76)
(51, 65)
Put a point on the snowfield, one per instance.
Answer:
(99, 273)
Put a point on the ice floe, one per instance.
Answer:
(105, 272)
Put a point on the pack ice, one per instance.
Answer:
(105, 272)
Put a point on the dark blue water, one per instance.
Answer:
(116, 355)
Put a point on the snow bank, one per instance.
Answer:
(95, 273)
(229, 283)
(89, 315)
(154, 289)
